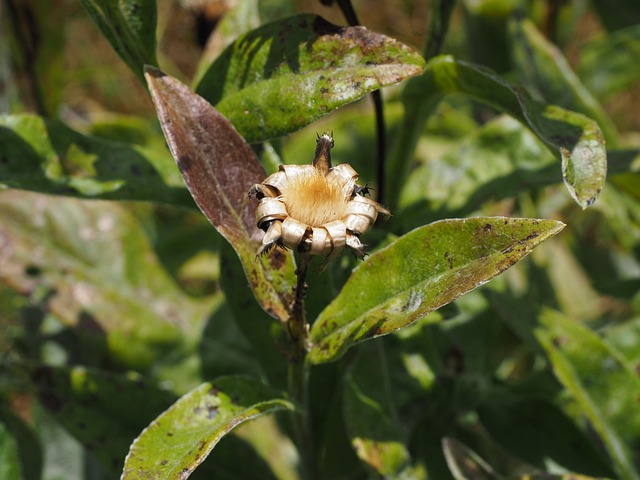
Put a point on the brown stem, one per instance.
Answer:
(299, 369)
(297, 325)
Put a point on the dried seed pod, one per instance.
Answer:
(315, 208)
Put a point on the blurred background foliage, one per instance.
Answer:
(111, 310)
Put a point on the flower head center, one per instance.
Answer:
(313, 199)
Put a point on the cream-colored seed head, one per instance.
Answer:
(314, 199)
(316, 208)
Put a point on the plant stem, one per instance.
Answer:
(299, 370)
(381, 144)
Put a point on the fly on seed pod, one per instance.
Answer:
(317, 209)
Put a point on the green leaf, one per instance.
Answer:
(28, 451)
(130, 28)
(551, 439)
(547, 72)
(179, 440)
(617, 14)
(47, 156)
(601, 382)
(219, 168)
(268, 87)
(464, 463)
(9, 459)
(423, 270)
(475, 170)
(577, 138)
(91, 264)
(611, 63)
(372, 422)
(104, 411)
(241, 18)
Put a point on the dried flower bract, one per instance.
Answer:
(318, 209)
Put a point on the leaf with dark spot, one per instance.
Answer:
(419, 278)
(195, 432)
(286, 74)
(219, 168)
(103, 411)
(575, 138)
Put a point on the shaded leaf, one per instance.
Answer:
(130, 28)
(423, 270)
(176, 442)
(464, 463)
(47, 156)
(219, 168)
(28, 451)
(488, 20)
(372, 423)
(547, 72)
(552, 438)
(92, 266)
(265, 337)
(268, 87)
(601, 382)
(575, 137)
(104, 411)
(9, 459)
(617, 14)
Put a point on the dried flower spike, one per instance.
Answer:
(318, 209)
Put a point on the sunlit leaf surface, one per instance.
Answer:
(284, 75)
(422, 271)
(176, 442)
(47, 156)
(575, 138)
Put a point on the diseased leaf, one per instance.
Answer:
(601, 382)
(47, 156)
(219, 168)
(576, 138)
(180, 439)
(130, 28)
(104, 411)
(92, 266)
(422, 270)
(547, 72)
(286, 74)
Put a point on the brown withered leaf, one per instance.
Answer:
(219, 167)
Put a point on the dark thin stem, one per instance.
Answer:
(381, 146)
(352, 19)
(348, 12)
(299, 369)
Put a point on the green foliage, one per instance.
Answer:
(142, 336)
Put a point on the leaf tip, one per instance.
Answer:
(152, 73)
